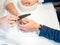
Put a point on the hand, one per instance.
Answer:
(9, 19)
(12, 19)
(28, 25)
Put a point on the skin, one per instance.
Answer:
(12, 9)
(28, 25)
(29, 2)
(14, 14)
(10, 20)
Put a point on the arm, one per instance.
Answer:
(28, 25)
(11, 7)
(51, 0)
(52, 34)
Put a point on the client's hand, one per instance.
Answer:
(28, 25)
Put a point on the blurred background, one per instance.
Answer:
(56, 4)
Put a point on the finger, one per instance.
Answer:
(20, 25)
(20, 22)
(12, 17)
(11, 23)
(24, 22)
(27, 20)
(24, 29)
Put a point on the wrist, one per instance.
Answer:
(40, 26)
(37, 26)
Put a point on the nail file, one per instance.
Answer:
(23, 16)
